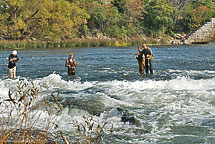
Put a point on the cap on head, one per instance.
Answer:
(14, 52)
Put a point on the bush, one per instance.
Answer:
(18, 119)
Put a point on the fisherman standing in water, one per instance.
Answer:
(147, 52)
(71, 64)
(12, 64)
(141, 60)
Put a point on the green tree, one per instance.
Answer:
(158, 17)
(195, 14)
(51, 20)
(10, 18)
(104, 19)
(131, 12)
(185, 23)
(120, 4)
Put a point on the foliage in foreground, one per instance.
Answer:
(19, 121)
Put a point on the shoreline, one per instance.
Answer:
(80, 43)
(83, 43)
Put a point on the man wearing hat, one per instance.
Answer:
(12, 64)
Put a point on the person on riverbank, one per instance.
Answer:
(147, 52)
(141, 60)
(71, 64)
(13, 58)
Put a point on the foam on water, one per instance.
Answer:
(174, 105)
(55, 81)
(160, 105)
(175, 84)
(123, 91)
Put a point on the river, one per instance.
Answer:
(174, 105)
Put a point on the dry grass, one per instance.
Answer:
(90, 131)
(75, 43)
(19, 120)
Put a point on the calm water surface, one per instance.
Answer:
(174, 105)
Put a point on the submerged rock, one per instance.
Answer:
(128, 117)
(90, 104)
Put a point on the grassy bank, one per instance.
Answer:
(75, 43)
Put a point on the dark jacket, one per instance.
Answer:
(12, 64)
(146, 52)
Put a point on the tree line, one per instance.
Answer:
(58, 20)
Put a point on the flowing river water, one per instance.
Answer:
(174, 105)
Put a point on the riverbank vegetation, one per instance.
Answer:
(24, 44)
(54, 22)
